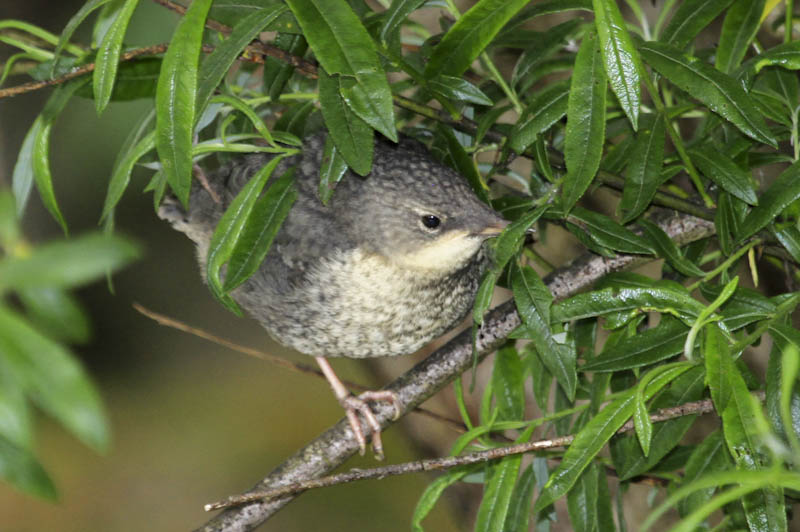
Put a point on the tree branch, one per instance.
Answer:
(439, 464)
(337, 444)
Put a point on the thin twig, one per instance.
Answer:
(80, 71)
(305, 369)
(438, 464)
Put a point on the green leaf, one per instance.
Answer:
(231, 12)
(608, 300)
(643, 349)
(789, 237)
(470, 35)
(557, 357)
(740, 426)
(134, 80)
(22, 175)
(783, 191)
(483, 298)
(708, 457)
(216, 65)
(608, 233)
(40, 148)
(459, 90)
(508, 384)
(107, 58)
(432, 494)
(54, 379)
(395, 16)
(263, 223)
(718, 91)
(738, 30)
(243, 107)
(16, 423)
(644, 168)
(56, 313)
(519, 507)
(586, 121)
(784, 55)
(230, 229)
(342, 45)
(589, 504)
(496, 501)
(724, 172)
(175, 100)
(689, 19)
(351, 135)
(20, 468)
(666, 248)
(593, 437)
(73, 23)
(510, 240)
(331, 170)
(67, 263)
(620, 56)
(463, 163)
(629, 460)
(121, 175)
(547, 108)
(642, 424)
(276, 72)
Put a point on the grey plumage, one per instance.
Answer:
(362, 276)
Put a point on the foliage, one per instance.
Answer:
(688, 127)
(36, 365)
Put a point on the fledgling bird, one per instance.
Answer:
(391, 262)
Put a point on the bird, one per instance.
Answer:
(391, 262)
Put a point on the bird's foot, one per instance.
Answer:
(353, 404)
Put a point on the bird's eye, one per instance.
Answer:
(431, 222)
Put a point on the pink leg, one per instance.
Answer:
(353, 404)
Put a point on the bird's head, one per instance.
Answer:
(421, 215)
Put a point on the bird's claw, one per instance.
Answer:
(353, 404)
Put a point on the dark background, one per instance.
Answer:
(192, 422)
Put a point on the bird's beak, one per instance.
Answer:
(495, 228)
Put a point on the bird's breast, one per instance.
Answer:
(360, 305)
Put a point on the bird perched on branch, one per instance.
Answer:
(391, 262)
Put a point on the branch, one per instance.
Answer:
(337, 444)
(80, 71)
(438, 464)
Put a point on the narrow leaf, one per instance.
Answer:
(773, 201)
(586, 120)
(620, 56)
(470, 35)
(644, 168)
(216, 65)
(724, 172)
(545, 109)
(609, 233)
(262, 226)
(343, 46)
(738, 30)
(107, 58)
(689, 20)
(721, 93)
(666, 248)
(351, 135)
(175, 100)
(54, 379)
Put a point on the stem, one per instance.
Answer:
(725, 264)
(787, 26)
